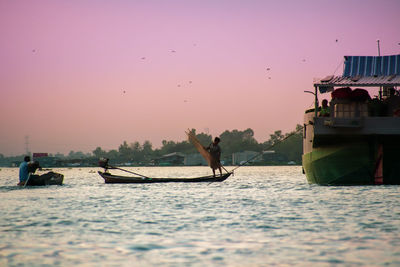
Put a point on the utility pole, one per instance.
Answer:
(379, 54)
(27, 144)
(379, 49)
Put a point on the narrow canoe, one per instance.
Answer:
(116, 179)
(49, 178)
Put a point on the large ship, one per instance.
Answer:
(355, 140)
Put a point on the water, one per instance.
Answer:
(262, 216)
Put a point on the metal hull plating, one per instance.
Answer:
(353, 162)
(339, 165)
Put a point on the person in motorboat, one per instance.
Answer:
(24, 171)
(215, 152)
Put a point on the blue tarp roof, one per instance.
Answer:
(371, 66)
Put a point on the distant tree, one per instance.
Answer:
(184, 147)
(289, 146)
(76, 155)
(293, 144)
(125, 152)
(147, 147)
(204, 139)
(147, 150)
(167, 147)
(231, 142)
(113, 155)
(237, 141)
(276, 137)
(99, 153)
(137, 152)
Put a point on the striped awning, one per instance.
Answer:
(327, 85)
(366, 66)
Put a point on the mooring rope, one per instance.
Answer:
(271, 146)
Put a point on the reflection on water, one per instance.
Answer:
(259, 216)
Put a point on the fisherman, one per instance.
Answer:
(324, 112)
(23, 171)
(215, 152)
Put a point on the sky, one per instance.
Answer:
(75, 75)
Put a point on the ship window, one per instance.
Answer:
(350, 110)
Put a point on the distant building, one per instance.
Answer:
(35, 156)
(175, 158)
(273, 157)
(195, 160)
(242, 157)
(45, 160)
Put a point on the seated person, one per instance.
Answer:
(23, 171)
(324, 110)
(393, 103)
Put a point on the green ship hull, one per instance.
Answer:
(353, 163)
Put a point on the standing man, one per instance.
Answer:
(215, 152)
(23, 171)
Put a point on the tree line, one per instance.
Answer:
(287, 146)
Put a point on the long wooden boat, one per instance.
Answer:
(117, 179)
(49, 178)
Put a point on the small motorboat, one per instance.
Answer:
(49, 178)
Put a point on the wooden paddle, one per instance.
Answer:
(112, 167)
(27, 180)
(103, 162)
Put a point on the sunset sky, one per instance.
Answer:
(75, 75)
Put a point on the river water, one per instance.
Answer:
(261, 216)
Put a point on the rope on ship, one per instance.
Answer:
(268, 148)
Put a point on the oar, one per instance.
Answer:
(27, 180)
(112, 167)
(224, 168)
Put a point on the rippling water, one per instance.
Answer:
(262, 216)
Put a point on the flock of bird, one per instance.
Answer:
(190, 82)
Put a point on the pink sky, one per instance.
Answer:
(75, 75)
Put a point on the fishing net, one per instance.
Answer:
(193, 139)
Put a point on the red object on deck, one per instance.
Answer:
(341, 93)
(359, 94)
